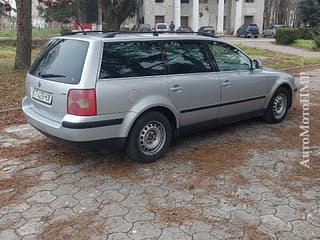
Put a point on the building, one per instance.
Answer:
(7, 18)
(37, 20)
(226, 16)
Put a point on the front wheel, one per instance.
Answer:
(149, 138)
(278, 106)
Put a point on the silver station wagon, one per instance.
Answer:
(139, 91)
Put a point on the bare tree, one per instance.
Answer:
(116, 11)
(24, 34)
(281, 12)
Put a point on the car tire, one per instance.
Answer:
(278, 106)
(149, 138)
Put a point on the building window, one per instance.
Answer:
(159, 19)
(249, 1)
(184, 21)
(203, 1)
(159, 1)
(248, 19)
(184, 1)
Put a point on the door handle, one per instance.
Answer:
(226, 83)
(176, 88)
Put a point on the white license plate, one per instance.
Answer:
(42, 96)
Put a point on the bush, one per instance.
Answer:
(64, 31)
(316, 39)
(307, 33)
(287, 36)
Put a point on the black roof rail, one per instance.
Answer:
(112, 34)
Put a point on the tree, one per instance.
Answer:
(116, 11)
(281, 12)
(82, 10)
(24, 35)
(310, 12)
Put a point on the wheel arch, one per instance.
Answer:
(168, 111)
(283, 84)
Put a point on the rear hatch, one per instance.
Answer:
(254, 30)
(57, 69)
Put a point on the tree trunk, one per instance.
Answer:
(115, 12)
(100, 18)
(24, 35)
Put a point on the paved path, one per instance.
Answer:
(270, 44)
(239, 182)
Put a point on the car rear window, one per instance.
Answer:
(61, 60)
(162, 26)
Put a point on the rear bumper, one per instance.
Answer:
(77, 131)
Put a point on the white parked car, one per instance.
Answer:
(162, 27)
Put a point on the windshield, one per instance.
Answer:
(61, 60)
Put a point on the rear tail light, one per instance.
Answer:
(82, 102)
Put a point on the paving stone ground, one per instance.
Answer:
(242, 181)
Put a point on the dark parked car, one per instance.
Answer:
(208, 31)
(143, 28)
(248, 30)
(185, 29)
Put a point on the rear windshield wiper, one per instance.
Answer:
(49, 75)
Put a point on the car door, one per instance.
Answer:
(243, 90)
(194, 86)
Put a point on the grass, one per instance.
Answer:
(12, 82)
(279, 60)
(309, 44)
(36, 33)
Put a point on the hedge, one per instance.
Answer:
(308, 33)
(287, 36)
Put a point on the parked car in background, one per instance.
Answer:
(142, 90)
(143, 28)
(207, 30)
(271, 31)
(185, 29)
(161, 27)
(248, 30)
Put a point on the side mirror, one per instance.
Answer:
(256, 64)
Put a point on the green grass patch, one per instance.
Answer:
(11, 81)
(309, 44)
(278, 60)
(36, 33)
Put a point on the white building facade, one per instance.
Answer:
(226, 16)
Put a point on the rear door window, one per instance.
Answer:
(186, 57)
(131, 59)
(61, 60)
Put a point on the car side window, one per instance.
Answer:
(131, 59)
(229, 58)
(186, 57)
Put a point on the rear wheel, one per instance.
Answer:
(149, 138)
(278, 106)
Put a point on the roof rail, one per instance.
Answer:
(112, 34)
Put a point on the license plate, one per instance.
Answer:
(42, 96)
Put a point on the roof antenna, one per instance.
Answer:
(82, 29)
